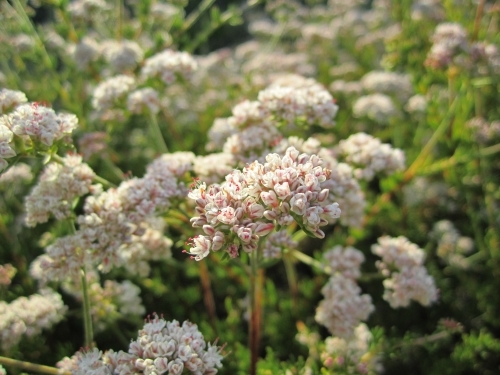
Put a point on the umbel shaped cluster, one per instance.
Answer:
(161, 348)
(261, 197)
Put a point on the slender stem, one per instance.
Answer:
(120, 12)
(41, 369)
(103, 181)
(157, 135)
(194, 16)
(477, 19)
(311, 261)
(291, 276)
(256, 282)
(87, 318)
(208, 296)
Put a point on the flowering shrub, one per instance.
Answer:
(321, 198)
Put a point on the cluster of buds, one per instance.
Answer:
(252, 202)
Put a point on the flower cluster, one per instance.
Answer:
(402, 262)
(28, 316)
(39, 123)
(109, 92)
(370, 156)
(345, 261)
(168, 64)
(140, 100)
(122, 55)
(353, 355)
(10, 99)
(451, 246)
(250, 203)
(161, 348)
(276, 242)
(7, 272)
(6, 150)
(343, 307)
(58, 187)
(485, 132)
(376, 107)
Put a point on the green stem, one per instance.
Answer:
(195, 15)
(157, 135)
(256, 280)
(87, 318)
(32, 367)
(311, 261)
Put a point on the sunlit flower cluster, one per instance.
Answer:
(10, 99)
(169, 64)
(28, 316)
(451, 246)
(377, 107)
(407, 278)
(251, 202)
(370, 156)
(162, 347)
(58, 187)
(345, 261)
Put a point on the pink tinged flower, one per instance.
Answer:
(175, 367)
(332, 210)
(253, 210)
(200, 247)
(168, 348)
(194, 364)
(318, 233)
(232, 250)
(135, 348)
(245, 234)
(161, 363)
(217, 241)
(263, 229)
(312, 215)
(269, 198)
(311, 181)
(323, 195)
(184, 352)
(282, 190)
(208, 229)
(227, 215)
(299, 203)
(249, 247)
(270, 215)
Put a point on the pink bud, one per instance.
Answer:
(264, 229)
(323, 195)
(270, 215)
(208, 229)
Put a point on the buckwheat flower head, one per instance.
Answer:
(345, 261)
(309, 146)
(370, 156)
(94, 143)
(484, 132)
(250, 203)
(144, 99)
(213, 168)
(451, 246)
(388, 83)
(122, 55)
(341, 87)
(377, 107)
(220, 131)
(164, 12)
(85, 9)
(450, 39)
(417, 104)
(343, 307)
(177, 163)
(58, 187)
(168, 64)
(86, 51)
(6, 150)
(28, 316)
(109, 92)
(309, 105)
(10, 99)
(40, 123)
(276, 242)
(410, 280)
(352, 354)
(161, 347)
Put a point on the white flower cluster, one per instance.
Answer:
(86, 51)
(110, 92)
(345, 190)
(86, 9)
(28, 316)
(345, 261)
(143, 99)
(168, 64)
(161, 348)
(39, 123)
(276, 242)
(6, 150)
(251, 202)
(370, 156)
(343, 307)
(416, 105)
(485, 132)
(377, 107)
(451, 245)
(402, 261)
(122, 55)
(58, 187)
(449, 39)
(351, 356)
(10, 99)
(395, 85)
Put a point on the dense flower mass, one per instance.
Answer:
(58, 187)
(252, 202)
(410, 280)
(162, 347)
(168, 64)
(10, 99)
(345, 261)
